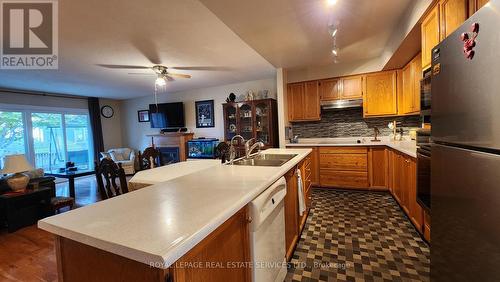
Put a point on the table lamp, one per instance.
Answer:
(16, 165)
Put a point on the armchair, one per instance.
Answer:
(123, 156)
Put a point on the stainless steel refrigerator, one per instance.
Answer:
(465, 162)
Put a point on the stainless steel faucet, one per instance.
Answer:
(249, 149)
(232, 150)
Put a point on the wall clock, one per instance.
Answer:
(107, 111)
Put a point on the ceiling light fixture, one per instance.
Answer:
(160, 81)
(331, 2)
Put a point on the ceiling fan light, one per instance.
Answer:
(160, 81)
(331, 2)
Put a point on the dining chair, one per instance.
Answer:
(149, 158)
(106, 173)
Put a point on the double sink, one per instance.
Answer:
(265, 160)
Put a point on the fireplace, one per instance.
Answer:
(169, 155)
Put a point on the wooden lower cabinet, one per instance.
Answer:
(378, 168)
(344, 167)
(291, 213)
(228, 244)
(314, 165)
(403, 187)
(294, 221)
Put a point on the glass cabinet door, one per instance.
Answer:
(230, 111)
(262, 122)
(245, 120)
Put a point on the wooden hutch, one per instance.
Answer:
(252, 119)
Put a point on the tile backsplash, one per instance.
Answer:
(350, 123)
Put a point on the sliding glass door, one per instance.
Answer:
(78, 140)
(48, 137)
(48, 140)
(12, 134)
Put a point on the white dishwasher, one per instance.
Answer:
(267, 234)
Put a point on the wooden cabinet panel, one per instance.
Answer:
(303, 101)
(452, 14)
(417, 76)
(291, 213)
(228, 243)
(378, 168)
(351, 162)
(416, 211)
(352, 87)
(295, 101)
(407, 83)
(343, 150)
(481, 3)
(330, 89)
(380, 98)
(315, 166)
(311, 101)
(409, 98)
(430, 35)
(343, 179)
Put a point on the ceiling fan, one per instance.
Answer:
(162, 72)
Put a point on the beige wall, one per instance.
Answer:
(333, 70)
(112, 127)
(134, 133)
(42, 101)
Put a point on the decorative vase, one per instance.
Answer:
(18, 182)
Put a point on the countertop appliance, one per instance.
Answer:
(465, 172)
(202, 148)
(424, 168)
(267, 234)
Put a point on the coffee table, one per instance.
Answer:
(70, 175)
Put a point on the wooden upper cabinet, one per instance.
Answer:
(303, 101)
(380, 98)
(430, 35)
(312, 110)
(452, 14)
(330, 89)
(409, 96)
(475, 5)
(295, 101)
(352, 87)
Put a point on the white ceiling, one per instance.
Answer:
(294, 33)
(181, 33)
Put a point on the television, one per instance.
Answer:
(167, 115)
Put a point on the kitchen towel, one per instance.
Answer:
(302, 200)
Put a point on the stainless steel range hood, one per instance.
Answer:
(341, 104)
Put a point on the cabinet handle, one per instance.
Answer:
(249, 219)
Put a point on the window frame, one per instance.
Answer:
(28, 110)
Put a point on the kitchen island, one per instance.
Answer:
(160, 231)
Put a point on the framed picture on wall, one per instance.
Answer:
(143, 115)
(205, 114)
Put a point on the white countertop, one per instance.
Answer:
(159, 224)
(165, 173)
(408, 147)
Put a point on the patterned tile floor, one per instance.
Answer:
(358, 236)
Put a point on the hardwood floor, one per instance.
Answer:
(28, 254)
